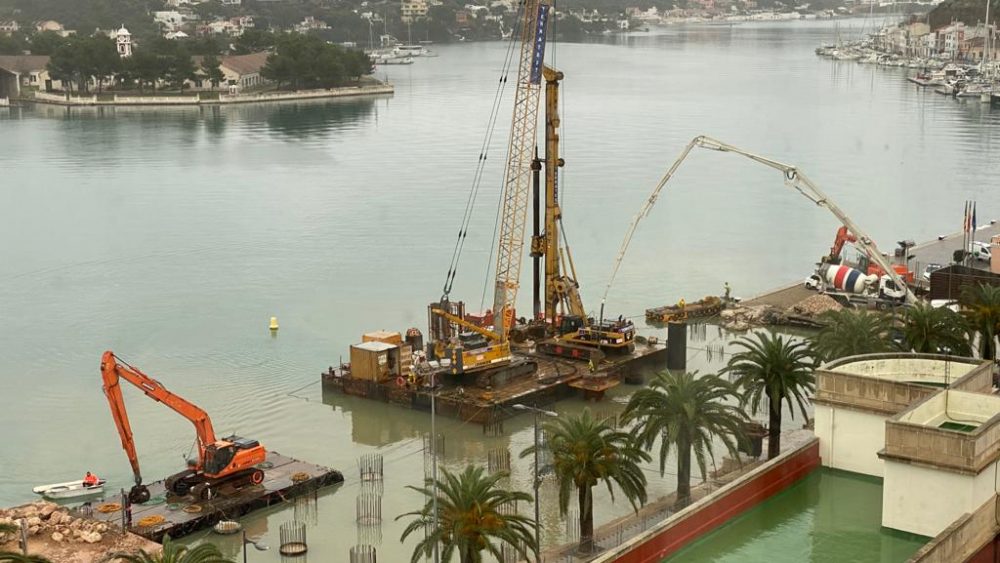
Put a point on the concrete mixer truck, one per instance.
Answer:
(836, 278)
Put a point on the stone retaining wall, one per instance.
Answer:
(964, 539)
(116, 100)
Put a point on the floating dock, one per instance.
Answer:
(554, 379)
(284, 479)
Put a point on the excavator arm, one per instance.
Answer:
(794, 178)
(113, 369)
(466, 324)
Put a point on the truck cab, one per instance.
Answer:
(981, 251)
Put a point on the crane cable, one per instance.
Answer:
(481, 164)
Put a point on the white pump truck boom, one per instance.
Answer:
(794, 178)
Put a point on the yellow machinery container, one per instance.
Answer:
(375, 361)
(386, 336)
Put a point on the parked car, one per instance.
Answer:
(929, 269)
(813, 282)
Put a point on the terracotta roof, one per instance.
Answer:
(245, 64)
(23, 63)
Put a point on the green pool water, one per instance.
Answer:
(827, 517)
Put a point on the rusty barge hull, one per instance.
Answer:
(284, 479)
(555, 379)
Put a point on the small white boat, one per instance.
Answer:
(69, 489)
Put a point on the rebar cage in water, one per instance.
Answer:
(293, 538)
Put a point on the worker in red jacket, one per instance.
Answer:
(90, 480)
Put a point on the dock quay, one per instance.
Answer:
(938, 251)
(284, 479)
(553, 379)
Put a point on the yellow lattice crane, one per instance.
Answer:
(447, 319)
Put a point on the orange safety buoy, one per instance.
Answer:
(400, 381)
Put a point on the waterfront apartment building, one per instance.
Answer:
(412, 10)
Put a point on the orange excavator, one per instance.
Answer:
(230, 461)
(843, 236)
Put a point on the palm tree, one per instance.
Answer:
(981, 309)
(778, 369)
(686, 412)
(472, 510)
(176, 553)
(933, 330)
(586, 452)
(849, 332)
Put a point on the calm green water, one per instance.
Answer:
(171, 236)
(827, 517)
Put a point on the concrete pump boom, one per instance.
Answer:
(794, 178)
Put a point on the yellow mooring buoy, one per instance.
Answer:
(274, 323)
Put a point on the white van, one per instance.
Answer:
(981, 251)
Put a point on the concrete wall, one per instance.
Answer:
(906, 367)
(716, 509)
(61, 99)
(924, 500)
(968, 538)
(850, 439)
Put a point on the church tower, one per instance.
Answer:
(124, 42)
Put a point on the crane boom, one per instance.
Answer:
(517, 173)
(112, 370)
(794, 178)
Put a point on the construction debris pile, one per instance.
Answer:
(52, 520)
(60, 536)
(817, 305)
(804, 313)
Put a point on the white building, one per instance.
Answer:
(855, 397)
(8, 26)
(412, 10)
(123, 39)
(170, 20)
(939, 461)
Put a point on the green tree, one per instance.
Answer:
(849, 332)
(981, 309)
(471, 516)
(101, 58)
(176, 553)
(933, 330)
(46, 43)
(253, 41)
(210, 69)
(14, 44)
(684, 413)
(586, 452)
(68, 65)
(146, 67)
(772, 370)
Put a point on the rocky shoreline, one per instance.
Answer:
(56, 533)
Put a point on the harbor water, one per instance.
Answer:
(171, 236)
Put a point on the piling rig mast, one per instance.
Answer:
(513, 212)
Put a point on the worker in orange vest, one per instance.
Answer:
(90, 480)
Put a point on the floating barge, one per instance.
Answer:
(284, 479)
(552, 379)
(707, 307)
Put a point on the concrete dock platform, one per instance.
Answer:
(284, 479)
(938, 251)
(553, 379)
